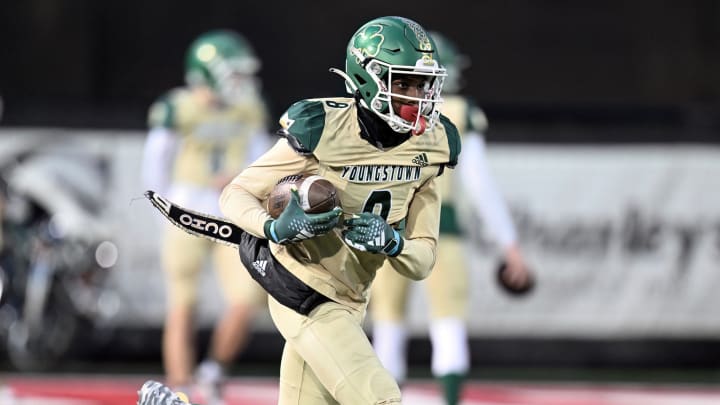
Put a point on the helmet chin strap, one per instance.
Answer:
(410, 113)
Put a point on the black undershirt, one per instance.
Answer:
(376, 131)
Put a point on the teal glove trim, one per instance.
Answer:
(370, 232)
(395, 245)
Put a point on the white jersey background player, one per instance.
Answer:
(447, 287)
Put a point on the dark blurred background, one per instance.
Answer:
(653, 65)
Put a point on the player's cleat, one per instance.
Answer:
(155, 393)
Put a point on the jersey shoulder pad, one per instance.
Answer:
(303, 124)
(476, 119)
(163, 112)
(453, 139)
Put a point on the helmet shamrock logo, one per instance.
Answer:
(369, 41)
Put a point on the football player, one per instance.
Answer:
(448, 285)
(200, 136)
(383, 148)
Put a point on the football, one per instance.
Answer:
(317, 194)
(513, 290)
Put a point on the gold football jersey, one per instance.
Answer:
(214, 139)
(323, 137)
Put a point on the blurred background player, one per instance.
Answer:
(200, 136)
(448, 287)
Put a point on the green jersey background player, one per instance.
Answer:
(383, 148)
(200, 136)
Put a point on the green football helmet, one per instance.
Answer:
(224, 61)
(452, 60)
(379, 51)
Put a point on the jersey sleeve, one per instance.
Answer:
(421, 234)
(241, 200)
(158, 155)
(453, 139)
(303, 124)
(162, 113)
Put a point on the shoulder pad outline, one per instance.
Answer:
(303, 124)
(453, 139)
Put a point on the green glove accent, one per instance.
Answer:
(294, 225)
(370, 233)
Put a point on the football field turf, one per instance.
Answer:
(83, 389)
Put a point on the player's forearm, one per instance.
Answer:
(243, 209)
(476, 179)
(416, 259)
(241, 199)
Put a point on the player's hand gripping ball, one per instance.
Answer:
(514, 289)
(317, 194)
(295, 225)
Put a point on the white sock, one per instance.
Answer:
(389, 341)
(450, 352)
(209, 371)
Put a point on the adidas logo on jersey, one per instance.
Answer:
(259, 266)
(421, 160)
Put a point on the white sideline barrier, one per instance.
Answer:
(625, 239)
